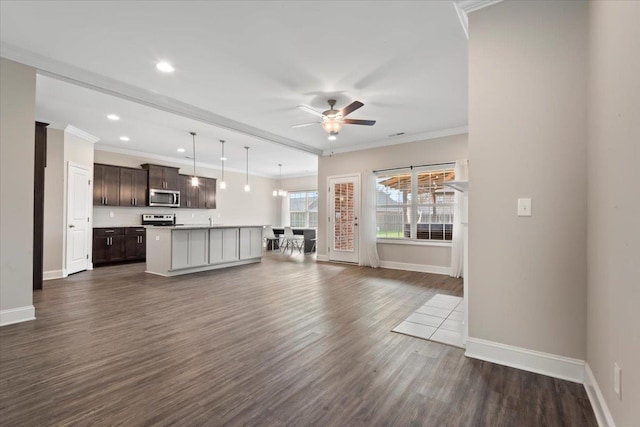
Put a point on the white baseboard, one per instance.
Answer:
(90, 266)
(548, 364)
(423, 268)
(600, 408)
(64, 273)
(322, 258)
(52, 274)
(17, 315)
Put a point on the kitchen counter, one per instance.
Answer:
(182, 249)
(199, 226)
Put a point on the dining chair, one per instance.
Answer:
(271, 240)
(290, 240)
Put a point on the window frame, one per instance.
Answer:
(413, 207)
(306, 212)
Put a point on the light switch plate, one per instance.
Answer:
(524, 207)
(111, 214)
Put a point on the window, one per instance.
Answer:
(303, 208)
(415, 204)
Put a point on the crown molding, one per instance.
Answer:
(465, 7)
(404, 139)
(168, 159)
(81, 134)
(62, 71)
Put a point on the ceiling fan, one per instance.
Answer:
(332, 119)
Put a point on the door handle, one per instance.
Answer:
(71, 226)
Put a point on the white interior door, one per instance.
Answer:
(344, 211)
(77, 219)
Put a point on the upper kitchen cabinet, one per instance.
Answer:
(202, 196)
(133, 187)
(210, 193)
(162, 177)
(106, 185)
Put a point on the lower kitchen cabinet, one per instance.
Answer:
(189, 248)
(223, 245)
(250, 243)
(118, 244)
(135, 246)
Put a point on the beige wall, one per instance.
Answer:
(17, 122)
(613, 319)
(53, 259)
(234, 206)
(438, 150)
(527, 132)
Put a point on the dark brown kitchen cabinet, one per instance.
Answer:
(162, 177)
(106, 185)
(108, 245)
(133, 187)
(135, 244)
(201, 197)
(210, 193)
(119, 244)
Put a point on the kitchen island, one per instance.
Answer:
(176, 250)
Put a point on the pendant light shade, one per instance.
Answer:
(194, 178)
(280, 192)
(223, 184)
(247, 187)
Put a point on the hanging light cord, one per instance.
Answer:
(247, 148)
(222, 142)
(193, 134)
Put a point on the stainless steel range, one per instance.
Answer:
(158, 219)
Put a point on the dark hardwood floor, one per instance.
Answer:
(285, 342)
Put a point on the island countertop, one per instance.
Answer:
(199, 226)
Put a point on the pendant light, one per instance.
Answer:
(223, 184)
(280, 192)
(247, 187)
(194, 178)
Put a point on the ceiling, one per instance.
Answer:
(241, 70)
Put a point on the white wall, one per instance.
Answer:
(54, 224)
(17, 124)
(234, 206)
(438, 150)
(527, 133)
(613, 319)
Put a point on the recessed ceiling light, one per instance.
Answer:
(165, 67)
(124, 138)
(181, 150)
(113, 117)
(224, 159)
(331, 138)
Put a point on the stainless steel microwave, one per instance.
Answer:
(165, 198)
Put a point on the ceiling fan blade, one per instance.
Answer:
(351, 108)
(301, 125)
(310, 110)
(359, 122)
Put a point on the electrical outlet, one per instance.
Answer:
(111, 214)
(524, 207)
(157, 237)
(193, 215)
(617, 380)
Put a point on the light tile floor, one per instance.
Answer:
(439, 319)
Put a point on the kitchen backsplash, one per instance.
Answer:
(113, 216)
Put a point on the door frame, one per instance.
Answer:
(358, 204)
(65, 224)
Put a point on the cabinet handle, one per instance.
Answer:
(109, 231)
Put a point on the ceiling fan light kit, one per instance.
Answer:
(333, 120)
